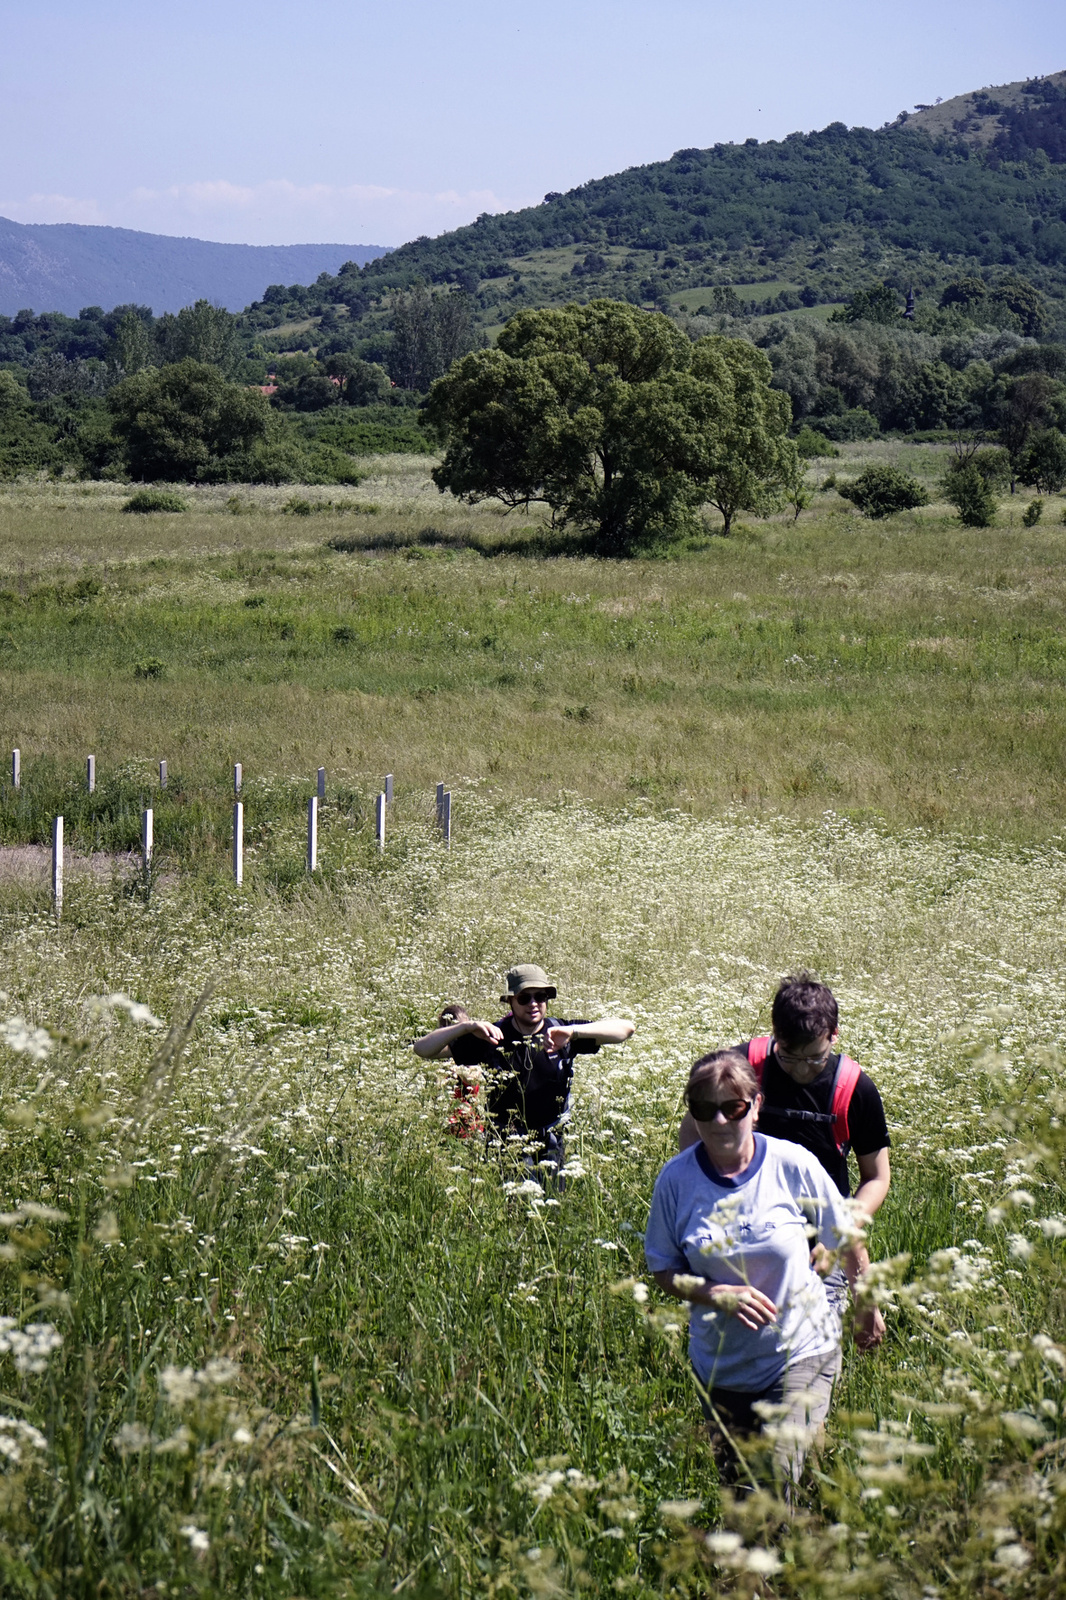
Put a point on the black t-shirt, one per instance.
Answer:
(527, 1084)
(803, 1113)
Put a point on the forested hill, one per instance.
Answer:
(974, 186)
(65, 266)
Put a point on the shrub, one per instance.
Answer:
(847, 426)
(809, 442)
(150, 667)
(879, 491)
(993, 463)
(155, 500)
(969, 491)
(1044, 462)
(1032, 513)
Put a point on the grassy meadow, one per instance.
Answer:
(266, 1330)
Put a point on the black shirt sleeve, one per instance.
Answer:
(867, 1127)
(471, 1050)
(579, 1046)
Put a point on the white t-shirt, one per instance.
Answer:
(751, 1229)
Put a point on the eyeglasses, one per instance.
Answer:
(707, 1110)
(532, 997)
(819, 1058)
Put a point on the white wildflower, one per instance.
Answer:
(14, 1434)
(1022, 1425)
(31, 1346)
(764, 1562)
(180, 1384)
(198, 1539)
(25, 1040)
(724, 1544)
(133, 1008)
(679, 1510)
(131, 1439)
(1020, 1247)
(1015, 1557)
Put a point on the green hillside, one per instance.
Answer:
(977, 185)
(905, 279)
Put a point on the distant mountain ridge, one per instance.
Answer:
(63, 266)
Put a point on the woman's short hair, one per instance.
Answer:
(728, 1070)
(452, 1013)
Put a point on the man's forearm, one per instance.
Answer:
(434, 1043)
(871, 1195)
(608, 1030)
(856, 1263)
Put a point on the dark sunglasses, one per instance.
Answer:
(530, 997)
(707, 1110)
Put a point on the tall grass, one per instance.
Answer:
(313, 1346)
(911, 669)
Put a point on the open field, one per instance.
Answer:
(273, 1334)
(312, 1346)
(909, 669)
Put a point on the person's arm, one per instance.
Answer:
(432, 1045)
(875, 1175)
(750, 1306)
(869, 1324)
(608, 1030)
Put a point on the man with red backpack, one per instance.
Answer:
(822, 1100)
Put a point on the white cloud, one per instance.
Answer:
(276, 211)
(52, 208)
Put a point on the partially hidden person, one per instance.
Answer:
(527, 1060)
(816, 1097)
(464, 1118)
(728, 1232)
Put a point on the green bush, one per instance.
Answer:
(970, 492)
(847, 426)
(879, 491)
(1032, 513)
(150, 667)
(1044, 462)
(155, 500)
(809, 443)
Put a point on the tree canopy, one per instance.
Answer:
(180, 423)
(613, 418)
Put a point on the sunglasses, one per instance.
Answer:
(533, 997)
(707, 1110)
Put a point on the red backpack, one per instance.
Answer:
(844, 1081)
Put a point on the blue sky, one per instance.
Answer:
(272, 123)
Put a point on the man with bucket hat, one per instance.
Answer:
(528, 1059)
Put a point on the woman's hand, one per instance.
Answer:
(750, 1306)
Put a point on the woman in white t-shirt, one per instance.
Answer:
(729, 1231)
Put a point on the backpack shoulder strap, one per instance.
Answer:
(758, 1050)
(844, 1081)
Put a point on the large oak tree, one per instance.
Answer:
(614, 419)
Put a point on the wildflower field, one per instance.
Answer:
(267, 1331)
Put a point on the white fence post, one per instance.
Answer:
(238, 777)
(90, 773)
(321, 785)
(388, 788)
(57, 866)
(147, 840)
(381, 820)
(16, 769)
(162, 774)
(446, 821)
(312, 833)
(238, 843)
